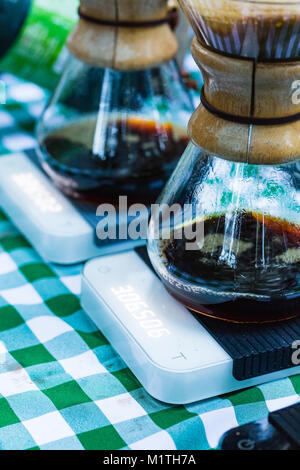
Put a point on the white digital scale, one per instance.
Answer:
(171, 353)
(52, 224)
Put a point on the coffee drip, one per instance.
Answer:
(238, 180)
(116, 124)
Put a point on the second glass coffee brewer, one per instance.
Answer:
(116, 124)
(238, 180)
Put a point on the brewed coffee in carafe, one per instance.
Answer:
(116, 124)
(238, 182)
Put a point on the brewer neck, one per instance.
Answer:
(123, 34)
(249, 112)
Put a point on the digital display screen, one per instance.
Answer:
(140, 311)
(40, 196)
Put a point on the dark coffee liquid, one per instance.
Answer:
(256, 264)
(132, 158)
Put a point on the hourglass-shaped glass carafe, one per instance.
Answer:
(238, 183)
(116, 124)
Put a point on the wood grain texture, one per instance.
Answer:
(219, 137)
(275, 145)
(125, 10)
(123, 48)
(100, 9)
(269, 145)
(141, 10)
(242, 87)
(274, 89)
(93, 44)
(139, 48)
(228, 81)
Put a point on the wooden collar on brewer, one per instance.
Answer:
(250, 120)
(126, 24)
(123, 34)
(247, 113)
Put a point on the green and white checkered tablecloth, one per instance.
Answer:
(62, 386)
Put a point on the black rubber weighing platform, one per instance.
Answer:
(280, 431)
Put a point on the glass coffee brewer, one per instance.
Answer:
(116, 124)
(238, 183)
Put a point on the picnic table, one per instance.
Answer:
(62, 386)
